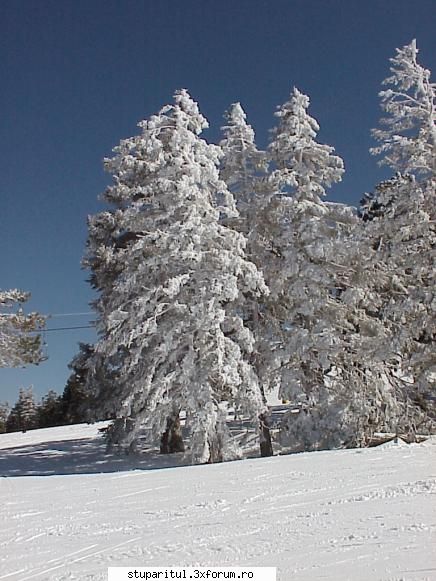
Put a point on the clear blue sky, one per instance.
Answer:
(77, 75)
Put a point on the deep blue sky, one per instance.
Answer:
(77, 75)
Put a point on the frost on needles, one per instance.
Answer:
(400, 223)
(170, 276)
(20, 341)
(223, 274)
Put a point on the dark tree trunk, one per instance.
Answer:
(215, 450)
(172, 440)
(266, 448)
(265, 443)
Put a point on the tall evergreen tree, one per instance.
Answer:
(168, 323)
(402, 237)
(49, 411)
(400, 226)
(24, 414)
(326, 334)
(76, 400)
(244, 169)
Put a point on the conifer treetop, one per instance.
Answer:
(302, 163)
(242, 163)
(408, 137)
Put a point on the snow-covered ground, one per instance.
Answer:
(68, 511)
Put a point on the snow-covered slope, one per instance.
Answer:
(344, 515)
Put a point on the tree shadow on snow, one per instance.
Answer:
(80, 456)
(87, 455)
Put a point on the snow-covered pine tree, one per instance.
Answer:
(20, 342)
(244, 169)
(399, 230)
(305, 238)
(323, 327)
(408, 137)
(400, 220)
(24, 414)
(168, 324)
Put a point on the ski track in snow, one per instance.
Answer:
(354, 515)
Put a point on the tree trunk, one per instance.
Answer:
(172, 440)
(215, 450)
(266, 448)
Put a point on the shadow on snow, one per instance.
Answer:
(79, 456)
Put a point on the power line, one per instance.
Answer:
(71, 314)
(42, 331)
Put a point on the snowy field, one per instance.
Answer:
(69, 511)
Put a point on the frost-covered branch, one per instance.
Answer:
(20, 342)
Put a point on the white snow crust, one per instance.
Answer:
(69, 511)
